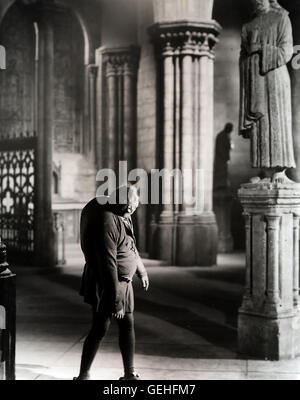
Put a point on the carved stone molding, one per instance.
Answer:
(121, 60)
(185, 38)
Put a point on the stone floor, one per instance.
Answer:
(185, 326)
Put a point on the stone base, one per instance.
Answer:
(163, 242)
(271, 339)
(187, 241)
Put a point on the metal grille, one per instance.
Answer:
(17, 195)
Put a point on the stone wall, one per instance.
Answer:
(17, 81)
(69, 80)
(146, 94)
(77, 176)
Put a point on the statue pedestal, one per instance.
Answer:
(222, 210)
(269, 318)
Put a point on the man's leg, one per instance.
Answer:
(127, 343)
(101, 323)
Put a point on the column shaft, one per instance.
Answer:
(248, 280)
(121, 112)
(119, 122)
(168, 140)
(44, 233)
(92, 111)
(296, 260)
(129, 141)
(273, 259)
(112, 125)
(187, 137)
(205, 131)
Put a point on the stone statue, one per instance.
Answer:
(265, 108)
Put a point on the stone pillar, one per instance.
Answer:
(45, 235)
(118, 92)
(187, 235)
(269, 318)
(296, 261)
(164, 243)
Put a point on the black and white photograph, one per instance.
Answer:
(149, 193)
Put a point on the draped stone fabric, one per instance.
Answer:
(265, 112)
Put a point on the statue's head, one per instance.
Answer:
(228, 127)
(274, 4)
(261, 5)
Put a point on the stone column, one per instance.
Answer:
(268, 325)
(119, 92)
(112, 116)
(296, 265)
(129, 142)
(45, 235)
(164, 245)
(187, 235)
(93, 71)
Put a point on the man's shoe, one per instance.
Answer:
(82, 378)
(134, 376)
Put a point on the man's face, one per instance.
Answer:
(133, 200)
(261, 5)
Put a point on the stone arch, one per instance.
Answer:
(88, 51)
(4, 7)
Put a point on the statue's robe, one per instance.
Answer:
(265, 110)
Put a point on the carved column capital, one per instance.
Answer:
(121, 60)
(186, 38)
(93, 70)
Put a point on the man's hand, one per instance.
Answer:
(254, 48)
(120, 314)
(145, 282)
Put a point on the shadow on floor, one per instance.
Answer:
(222, 338)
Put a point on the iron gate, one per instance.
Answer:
(17, 196)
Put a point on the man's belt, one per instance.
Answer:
(122, 279)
